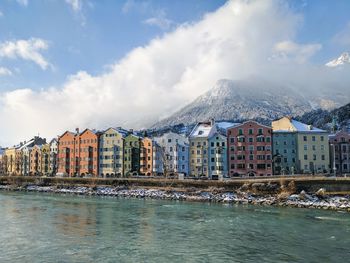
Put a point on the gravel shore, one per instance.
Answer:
(302, 200)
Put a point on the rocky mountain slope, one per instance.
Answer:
(242, 100)
(324, 119)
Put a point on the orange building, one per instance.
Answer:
(35, 161)
(146, 160)
(78, 153)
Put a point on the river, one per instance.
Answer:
(65, 228)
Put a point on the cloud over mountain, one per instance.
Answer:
(237, 41)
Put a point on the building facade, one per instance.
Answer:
(217, 155)
(249, 149)
(111, 153)
(53, 157)
(199, 148)
(2, 162)
(146, 156)
(312, 145)
(339, 144)
(10, 155)
(158, 165)
(285, 153)
(78, 153)
(45, 159)
(35, 161)
(132, 154)
(174, 153)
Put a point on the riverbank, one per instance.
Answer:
(246, 194)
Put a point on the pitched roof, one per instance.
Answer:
(202, 130)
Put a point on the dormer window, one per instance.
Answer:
(200, 132)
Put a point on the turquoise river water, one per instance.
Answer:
(66, 228)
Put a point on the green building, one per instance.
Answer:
(132, 151)
(285, 153)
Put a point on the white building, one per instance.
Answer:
(175, 152)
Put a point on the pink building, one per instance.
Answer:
(249, 149)
(340, 152)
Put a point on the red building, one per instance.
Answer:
(78, 153)
(249, 149)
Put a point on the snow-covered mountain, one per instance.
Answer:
(344, 59)
(252, 99)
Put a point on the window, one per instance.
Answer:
(268, 139)
(261, 166)
(241, 166)
(305, 147)
(260, 131)
(314, 147)
(232, 140)
(314, 157)
(322, 157)
(305, 157)
(240, 132)
(251, 157)
(322, 138)
(250, 139)
(250, 131)
(169, 140)
(305, 138)
(313, 138)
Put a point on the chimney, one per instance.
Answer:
(212, 122)
(77, 130)
(131, 131)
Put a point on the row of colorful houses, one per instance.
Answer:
(210, 150)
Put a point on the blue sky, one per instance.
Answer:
(100, 33)
(91, 38)
(88, 63)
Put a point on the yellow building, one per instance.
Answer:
(199, 148)
(45, 159)
(312, 149)
(111, 143)
(10, 155)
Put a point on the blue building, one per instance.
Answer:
(217, 158)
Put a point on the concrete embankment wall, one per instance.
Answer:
(269, 185)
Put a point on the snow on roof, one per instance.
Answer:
(203, 129)
(302, 127)
(27, 144)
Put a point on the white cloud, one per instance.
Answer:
(289, 50)
(75, 4)
(22, 2)
(152, 81)
(26, 49)
(159, 20)
(1, 14)
(343, 37)
(5, 71)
